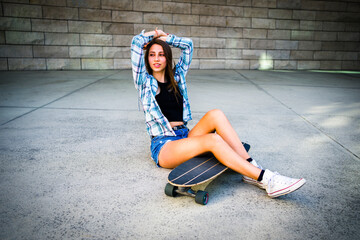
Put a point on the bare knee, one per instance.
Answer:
(213, 141)
(216, 117)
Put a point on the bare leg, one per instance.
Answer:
(225, 145)
(216, 121)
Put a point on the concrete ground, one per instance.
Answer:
(75, 159)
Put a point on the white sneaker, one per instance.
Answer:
(253, 181)
(277, 185)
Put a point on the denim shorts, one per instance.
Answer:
(158, 142)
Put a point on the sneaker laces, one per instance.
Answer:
(271, 181)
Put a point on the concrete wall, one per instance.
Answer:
(228, 34)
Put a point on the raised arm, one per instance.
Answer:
(186, 46)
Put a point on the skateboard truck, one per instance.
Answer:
(201, 197)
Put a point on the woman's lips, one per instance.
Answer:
(157, 65)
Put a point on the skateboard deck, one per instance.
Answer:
(192, 177)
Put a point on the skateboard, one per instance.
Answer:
(193, 176)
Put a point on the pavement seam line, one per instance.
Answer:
(299, 115)
(66, 95)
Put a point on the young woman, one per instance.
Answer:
(163, 93)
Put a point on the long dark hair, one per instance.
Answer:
(169, 70)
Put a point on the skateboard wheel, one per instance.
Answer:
(170, 190)
(202, 197)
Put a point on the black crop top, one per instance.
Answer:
(171, 106)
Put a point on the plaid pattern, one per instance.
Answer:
(146, 84)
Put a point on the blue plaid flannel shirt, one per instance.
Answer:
(156, 123)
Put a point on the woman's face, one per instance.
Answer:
(157, 58)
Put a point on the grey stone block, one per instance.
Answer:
(302, 35)
(51, 51)
(349, 36)
(335, 6)
(311, 25)
(177, 7)
(324, 55)
(204, 53)
(94, 14)
(127, 16)
(217, 10)
(307, 65)
(85, 4)
(147, 6)
(330, 65)
(252, 54)
(116, 52)
(254, 33)
(85, 52)
(147, 27)
(95, 64)
(34, 38)
(122, 40)
(309, 45)
(238, 22)
(117, 28)
(213, 21)
(325, 36)
(62, 39)
(3, 64)
(280, 14)
(333, 26)
(279, 34)
(264, 3)
(212, 64)
(2, 37)
(241, 3)
(256, 12)
(327, 16)
(304, 15)
(333, 46)
(287, 24)
(15, 51)
(49, 2)
(283, 44)
(346, 56)
(237, 43)
(63, 64)
(96, 39)
(122, 64)
(203, 31)
(85, 27)
(116, 4)
(302, 55)
(313, 5)
(230, 32)
(17, 24)
(27, 64)
(42, 25)
(263, 23)
(237, 64)
(262, 44)
(22, 10)
(60, 12)
(293, 4)
(229, 53)
(278, 54)
(350, 65)
(159, 18)
(195, 64)
(186, 19)
(212, 42)
(285, 65)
